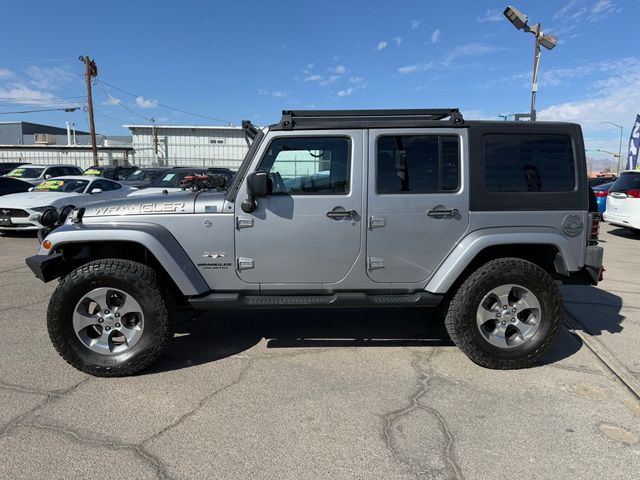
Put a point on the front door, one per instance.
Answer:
(307, 230)
(418, 202)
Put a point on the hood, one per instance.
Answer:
(179, 202)
(35, 199)
(154, 190)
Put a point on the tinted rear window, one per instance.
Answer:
(627, 181)
(529, 163)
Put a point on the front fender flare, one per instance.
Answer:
(471, 245)
(155, 238)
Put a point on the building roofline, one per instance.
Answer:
(192, 127)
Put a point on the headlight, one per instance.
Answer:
(49, 217)
(39, 209)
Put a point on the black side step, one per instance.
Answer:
(236, 300)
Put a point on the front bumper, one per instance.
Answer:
(46, 267)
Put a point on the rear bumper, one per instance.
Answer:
(46, 267)
(622, 220)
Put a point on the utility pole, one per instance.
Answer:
(91, 70)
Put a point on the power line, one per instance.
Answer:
(163, 105)
(66, 109)
(121, 104)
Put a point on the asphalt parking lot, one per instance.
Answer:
(326, 394)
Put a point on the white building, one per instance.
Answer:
(175, 145)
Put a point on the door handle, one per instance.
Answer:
(342, 213)
(451, 212)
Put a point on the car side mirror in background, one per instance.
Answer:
(257, 186)
(96, 190)
(47, 176)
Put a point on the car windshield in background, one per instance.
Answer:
(25, 172)
(62, 186)
(627, 181)
(169, 179)
(140, 175)
(94, 172)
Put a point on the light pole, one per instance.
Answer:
(520, 21)
(620, 147)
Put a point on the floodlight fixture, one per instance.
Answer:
(548, 41)
(516, 17)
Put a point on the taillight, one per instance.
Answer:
(595, 227)
(635, 193)
(601, 193)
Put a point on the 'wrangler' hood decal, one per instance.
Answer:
(179, 202)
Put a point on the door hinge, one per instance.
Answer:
(376, 222)
(244, 222)
(375, 263)
(245, 263)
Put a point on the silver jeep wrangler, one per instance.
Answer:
(365, 208)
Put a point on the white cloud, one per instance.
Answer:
(49, 78)
(272, 93)
(435, 36)
(356, 80)
(469, 50)
(346, 92)
(415, 24)
(111, 100)
(142, 102)
(397, 41)
(490, 15)
(418, 67)
(576, 11)
(5, 73)
(313, 78)
(339, 70)
(381, 45)
(21, 94)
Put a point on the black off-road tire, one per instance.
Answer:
(461, 324)
(138, 280)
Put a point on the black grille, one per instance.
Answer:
(13, 212)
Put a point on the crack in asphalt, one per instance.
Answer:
(200, 404)
(32, 304)
(77, 437)
(391, 418)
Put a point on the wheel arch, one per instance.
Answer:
(548, 249)
(149, 244)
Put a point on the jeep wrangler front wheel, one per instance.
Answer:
(110, 317)
(506, 314)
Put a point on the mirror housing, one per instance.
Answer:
(96, 190)
(257, 186)
(47, 176)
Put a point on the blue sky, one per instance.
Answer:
(230, 61)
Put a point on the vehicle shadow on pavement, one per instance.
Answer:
(204, 337)
(595, 310)
(625, 233)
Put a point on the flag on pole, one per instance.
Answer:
(634, 145)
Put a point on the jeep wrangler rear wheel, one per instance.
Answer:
(506, 314)
(110, 317)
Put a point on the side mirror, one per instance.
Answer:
(47, 176)
(96, 190)
(257, 186)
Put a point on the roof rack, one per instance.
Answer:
(314, 119)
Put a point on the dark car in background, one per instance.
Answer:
(110, 172)
(601, 180)
(6, 167)
(601, 191)
(170, 180)
(143, 177)
(225, 172)
(13, 185)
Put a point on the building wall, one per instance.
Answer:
(81, 156)
(209, 147)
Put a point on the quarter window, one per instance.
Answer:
(308, 165)
(529, 163)
(418, 164)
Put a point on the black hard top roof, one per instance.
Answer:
(407, 118)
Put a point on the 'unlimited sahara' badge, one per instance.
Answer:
(214, 254)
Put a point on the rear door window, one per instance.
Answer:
(627, 181)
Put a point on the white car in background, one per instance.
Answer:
(623, 201)
(21, 211)
(35, 174)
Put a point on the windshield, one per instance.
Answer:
(26, 172)
(139, 175)
(169, 179)
(94, 172)
(62, 186)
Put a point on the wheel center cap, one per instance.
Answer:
(109, 320)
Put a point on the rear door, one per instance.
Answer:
(624, 198)
(418, 206)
